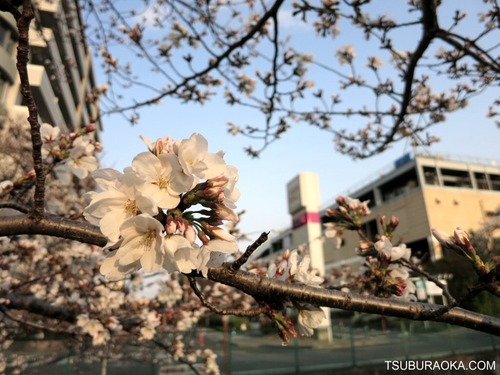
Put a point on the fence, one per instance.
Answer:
(249, 353)
(254, 352)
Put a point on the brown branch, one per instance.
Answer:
(429, 31)
(51, 225)
(24, 322)
(477, 55)
(23, 26)
(38, 306)
(236, 265)
(214, 63)
(259, 287)
(264, 289)
(15, 206)
(222, 311)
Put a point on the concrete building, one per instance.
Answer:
(425, 192)
(60, 68)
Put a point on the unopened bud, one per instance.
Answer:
(442, 237)
(90, 128)
(171, 225)
(98, 146)
(190, 234)
(383, 220)
(462, 239)
(331, 212)
(181, 225)
(221, 233)
(394, 222)
(214, 193)
(224, 213)
(217, 181)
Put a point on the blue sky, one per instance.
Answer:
(263, 181)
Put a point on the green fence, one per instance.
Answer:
(250, 353)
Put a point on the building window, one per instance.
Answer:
(370, 230)
(265, 253)
(420, 249)
(399, 185)
(481, 181)
(456, 178)
(495, 181)
(277, 246)
(370, 197)
(431, 176)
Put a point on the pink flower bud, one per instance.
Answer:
(90, 128)
(98, 146)
(203, 237)
(190, 234)
(214, 193)
(222, 234)
(224, 213)
(383, 221)
(171, 225)
(394, 222)
(217, 181)
(340, 200)
(442, 237)
(462, 239)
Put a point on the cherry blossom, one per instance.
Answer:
(120, 200)
(164, 178)
(309, 317)
(385, 247)
(195, 158)
(94, 328)
(81, 160)
(141, 244)
(158, 214)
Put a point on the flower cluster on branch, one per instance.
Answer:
(167, 209)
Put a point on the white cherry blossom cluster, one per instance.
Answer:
(167, 209)
(346, 54)
(292, 270)
(74, 151)
(94, 328)
(397, 275)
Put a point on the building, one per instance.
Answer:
(425, 192)
(60, 68)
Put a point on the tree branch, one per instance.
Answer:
(51, 225)
(430, 29)
(38, 306)
(214, 64)
(259, 287)
(23, 26)
(264, 289)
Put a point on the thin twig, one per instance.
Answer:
(218, 310)
(15, 206)
(236, 265)
(168, 349)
